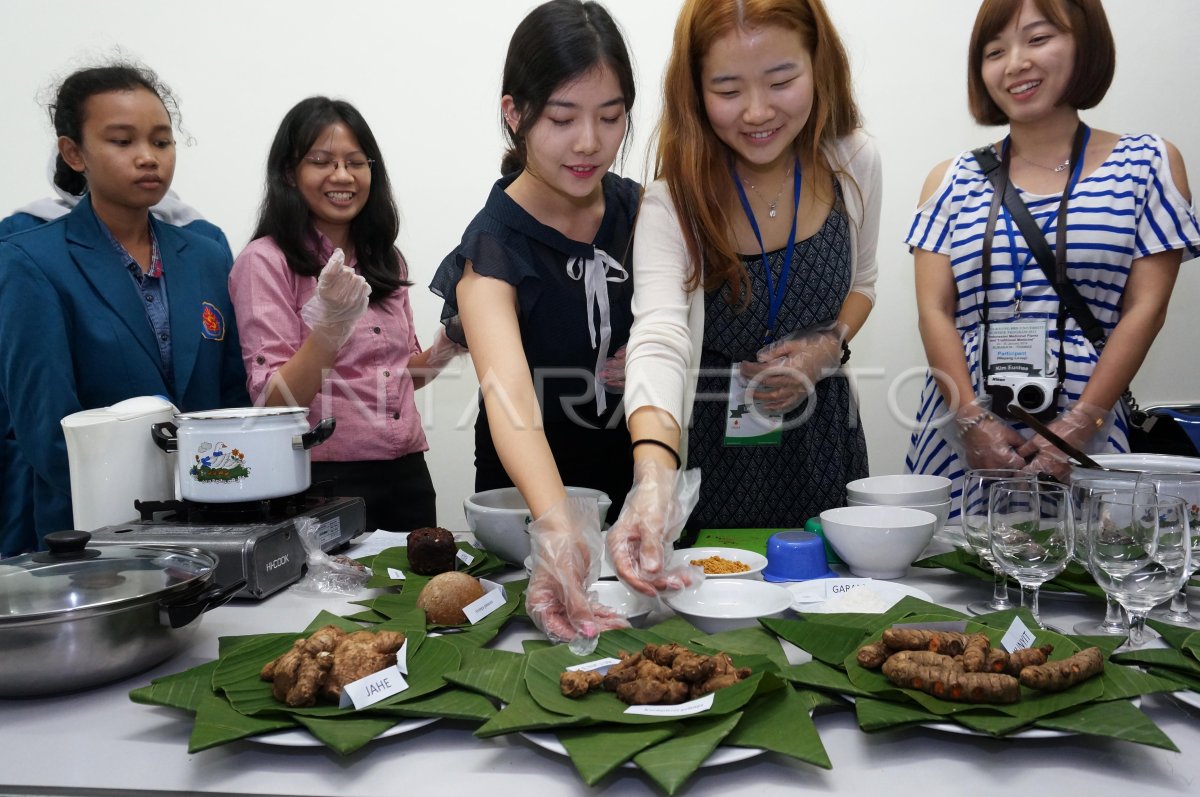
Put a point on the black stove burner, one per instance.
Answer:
(193, 512)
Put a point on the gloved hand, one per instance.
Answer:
(442, 351)
(987, 441)
(565, 547)
(340, 300)
(613, 375)
(1078, 425)
(651, 520)
(788, 370)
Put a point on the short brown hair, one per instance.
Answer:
(1095, 52)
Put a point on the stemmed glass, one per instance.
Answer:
(1083, 493)
(1140, 548)
(973, 514)
(1187, 487)
(1031, 533)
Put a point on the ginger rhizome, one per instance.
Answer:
(320, 665)
(659, 674)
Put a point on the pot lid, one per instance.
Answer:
(238, 413)
(73, 578)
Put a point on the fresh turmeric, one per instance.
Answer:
(1018, 660)
(915, 670)
(1056, 676)
(976, 653)
(949, 642)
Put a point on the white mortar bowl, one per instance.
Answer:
(731, 603)
(878, 541)
(901, 489)
(500, 520)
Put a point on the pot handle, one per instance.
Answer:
(179, 613)
(319, 434)
(165, 436)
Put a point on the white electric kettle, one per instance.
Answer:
(113, 460)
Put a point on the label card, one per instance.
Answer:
(330, 531)
(681, 710)
(370, 690)
(1017, 636)
(465, 557)
(402, 657)
(493, 598)
(600, 665)
(394, 574)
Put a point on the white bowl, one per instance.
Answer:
(755, 561)
(615, 595)
(878, 541)
(940, 510)
(901, 489)
(500, 520)
(730, 603)
(1142, 463)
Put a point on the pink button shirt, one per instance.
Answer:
(368, 390)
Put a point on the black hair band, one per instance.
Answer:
(660, 444)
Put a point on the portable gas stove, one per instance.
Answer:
(256, 541)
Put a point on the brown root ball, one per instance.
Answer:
(444, 597)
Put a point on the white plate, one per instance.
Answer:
(1028, 733)
(1191, 698)
(755, 561)
(719, 757)
(300, 737)
(809, 596)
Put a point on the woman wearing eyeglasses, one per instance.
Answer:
(321, 295)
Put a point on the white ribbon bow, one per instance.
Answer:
(596, 271)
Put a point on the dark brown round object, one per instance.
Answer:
(431, 551)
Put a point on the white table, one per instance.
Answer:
(99, 742)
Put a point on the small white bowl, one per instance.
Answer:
(901, 489)
(755, 561)
(615, 595)
(878, 541)
(940, 510)
(500, 520)
(730, 603)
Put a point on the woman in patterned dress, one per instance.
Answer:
(1034, 64)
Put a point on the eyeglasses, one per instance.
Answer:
(355, 164)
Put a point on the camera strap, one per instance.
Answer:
(1053, 265)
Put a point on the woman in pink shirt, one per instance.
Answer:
(321, 296)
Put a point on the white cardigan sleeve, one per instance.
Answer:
(857, 158)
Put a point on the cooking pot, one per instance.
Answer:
(241, 454)
(74, 617)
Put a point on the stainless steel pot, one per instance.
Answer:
(74, 617)
(243, 453)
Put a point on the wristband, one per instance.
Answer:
(845, 352)
(651, 441)
(972, 422)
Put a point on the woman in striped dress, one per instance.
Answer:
(1034, 64)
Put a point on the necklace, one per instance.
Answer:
(772, 206)
(1062, 167)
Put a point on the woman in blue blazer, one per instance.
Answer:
(106, 302)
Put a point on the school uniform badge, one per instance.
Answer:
(212, 323)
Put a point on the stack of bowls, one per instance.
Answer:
(911, 490)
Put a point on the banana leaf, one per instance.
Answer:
(598, 750)
(396, 558)
(1184, 680)
(819, 675)
(403, 608)
(454, 704)
(782, 723)
(501, 675)
(746, 641)
(878, 715)
(1161, 657)
(183, 690)
(217, 723)
(345, 735)
(1179, 637)
(524, 714)
(671, 763)
(1117, 719)
(1073, 579)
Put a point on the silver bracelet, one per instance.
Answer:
(972, 422)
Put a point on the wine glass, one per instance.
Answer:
(1140, 549)
(1031, 533)
(1083, 493)
(1187, 487)
(973, 514)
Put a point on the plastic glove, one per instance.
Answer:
(651, 521)
(565, 548)
(788, 370)
(1078, 425)
(442, 351)
(987, 441)
(340, 300)
(613, 374)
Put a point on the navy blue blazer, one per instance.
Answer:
(75, 336)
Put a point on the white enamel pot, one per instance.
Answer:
(241, 454)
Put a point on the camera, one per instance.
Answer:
(1037, 395)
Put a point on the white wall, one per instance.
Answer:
(427, 75)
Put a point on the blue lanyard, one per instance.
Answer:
(775, 293)
(1019, 274)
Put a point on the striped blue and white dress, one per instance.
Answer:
(1127, 208)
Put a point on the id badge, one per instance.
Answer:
(1017, 349)
(744, 424)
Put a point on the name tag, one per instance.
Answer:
(394, 574)
(745, 425)
(493, 598)
(681, 710)
(465, 557)
(1017, 636)
(600, 665)
(1017, 348)
(370, 690)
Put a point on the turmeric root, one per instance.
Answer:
(578, 684)
(975, 655)
(949, 642)
(1056, 676)
(997, 660)
(873, 654)
(910, 669)
(1018, 660)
